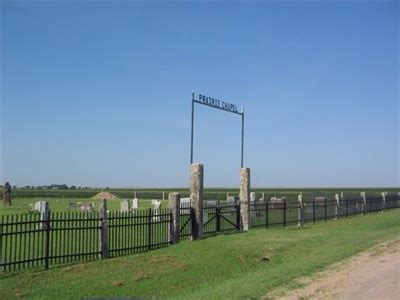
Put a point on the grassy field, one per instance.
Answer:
(24, 205)
(59, 199)
(242, 265)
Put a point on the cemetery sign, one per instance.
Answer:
(219, 104)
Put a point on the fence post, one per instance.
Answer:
(103, 234)
(218, 218)
(46, 227)
(284, 212)
(266, 212)
(313, 204)
(174, 201)
(196, 199)
(244, 199)
(149, 222)
(300, 214)
(237, 216)
(326, 209)
(347, 208)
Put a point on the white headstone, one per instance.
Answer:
(275, 200)
(85, 207)
(252, 196)
(300, 198)
(211, 203)
(231, 200)
(40, 206)
(125, 205)
(135, 203)
(156, 211)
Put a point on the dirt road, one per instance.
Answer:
(374, 274)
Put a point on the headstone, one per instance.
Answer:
(135, 203)
(341, 195)
(7, 194)
(383, 200)
(253, 197)
(185, 200)
(86, 207)
(364, 203)
(319, 201)
(185, 205)
(125, 205)
(156, 211)
(253, 206)
(41, 207)
(154, 201)
(276, 202)
(337, 198)
(211, 203)
(232, 200)
(300, 210)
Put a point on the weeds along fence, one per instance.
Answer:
(32, 241)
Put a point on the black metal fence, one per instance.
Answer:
(29, 240)
(223, 217)
(286, 212)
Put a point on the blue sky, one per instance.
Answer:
(99, 93)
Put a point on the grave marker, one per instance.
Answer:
(125, 206)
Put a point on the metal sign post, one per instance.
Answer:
(215, 103)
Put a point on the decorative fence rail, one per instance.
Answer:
(29, 240)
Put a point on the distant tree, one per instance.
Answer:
(27, 187)
(72, 187)
(107, 188)
(14, 187)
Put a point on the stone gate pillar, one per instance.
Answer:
(196, 199)
(244, 199)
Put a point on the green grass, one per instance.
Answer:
(222, 267)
